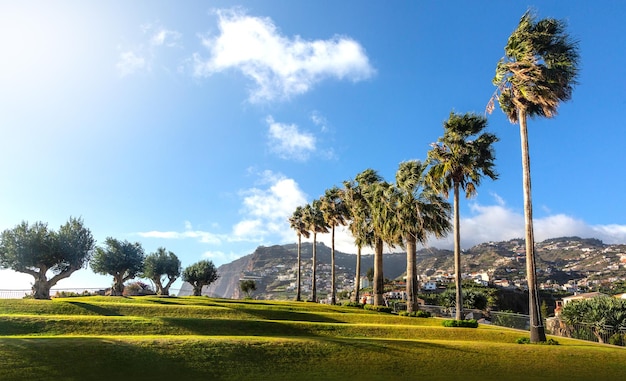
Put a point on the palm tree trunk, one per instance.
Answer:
(537, 331)
(298, 289)
(457, 254)
(379, 280)
(333, 286)
(357, 279)
(313, 273)
(411, 274)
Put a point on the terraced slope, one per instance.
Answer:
(150, 338)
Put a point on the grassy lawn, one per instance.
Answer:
(105, 338)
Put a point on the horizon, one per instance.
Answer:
(201, 127)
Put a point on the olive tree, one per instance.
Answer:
(121, 259)
(160, 267)
(43, 253)
(247, 286)
(200, 274)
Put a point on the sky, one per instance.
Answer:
(201, 126)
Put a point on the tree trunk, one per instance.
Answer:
(457, 255)
(41, 288)
(333, 286)
(411, 274)
(118, 285)
(197, 289)
(158, 285)
(379, 280)
(537, 331)
(357, 280)
(314, 272)
(166, 288)
(298, 289)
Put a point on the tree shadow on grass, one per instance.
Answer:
(98, 310)
(93, 359)
(276, 314)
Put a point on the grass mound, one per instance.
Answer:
(103, 338)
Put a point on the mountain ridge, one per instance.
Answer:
(559, 260)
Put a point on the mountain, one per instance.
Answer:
(559, 260)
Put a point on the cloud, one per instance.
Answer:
(280, 66)
(129, 63)
(142, 56)
(221, 257)
(201, 236)
(288, 142)
(165, 37)
(265, 211)
(501, 223)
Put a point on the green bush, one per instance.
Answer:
(353, 304)
(526, 340)
(472, 323)
(617, 339)
(372, 307)
(419, 314)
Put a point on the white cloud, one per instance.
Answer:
(264, 215)
(266, 211)
(288, 142)
(319, 120)
(129, 63)
(144, 55)
(221, 257)
(500, 223)
(165, 37)
(280, 66)
(201, 236)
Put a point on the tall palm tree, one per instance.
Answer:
(358, 212)
(335, 213)
(296, 222)
(537, 73)
(460, 158)
(313, 219)
(420, 212)
(381, 222)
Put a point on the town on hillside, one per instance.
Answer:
(564, 265)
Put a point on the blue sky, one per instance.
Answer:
(200, 127)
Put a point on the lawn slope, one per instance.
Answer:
(105, 338)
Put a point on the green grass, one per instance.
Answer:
(105, 338)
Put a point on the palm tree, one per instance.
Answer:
(313, 219)
(377, 194)
(537, 73)
(335, 213)
(459, 160)
(358, 212)
(296, 222)
(420, 212)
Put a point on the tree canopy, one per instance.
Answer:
(40, 252)
(200, 274)
(121, 259)
(162, 266)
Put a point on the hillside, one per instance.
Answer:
(585, 262)
(199, 338)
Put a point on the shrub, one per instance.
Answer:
(138, 289)
(372, 307)
(526, 340)
(66, 294)
(617, 339)
(461, 323)
(353, 304)
(419, 314)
